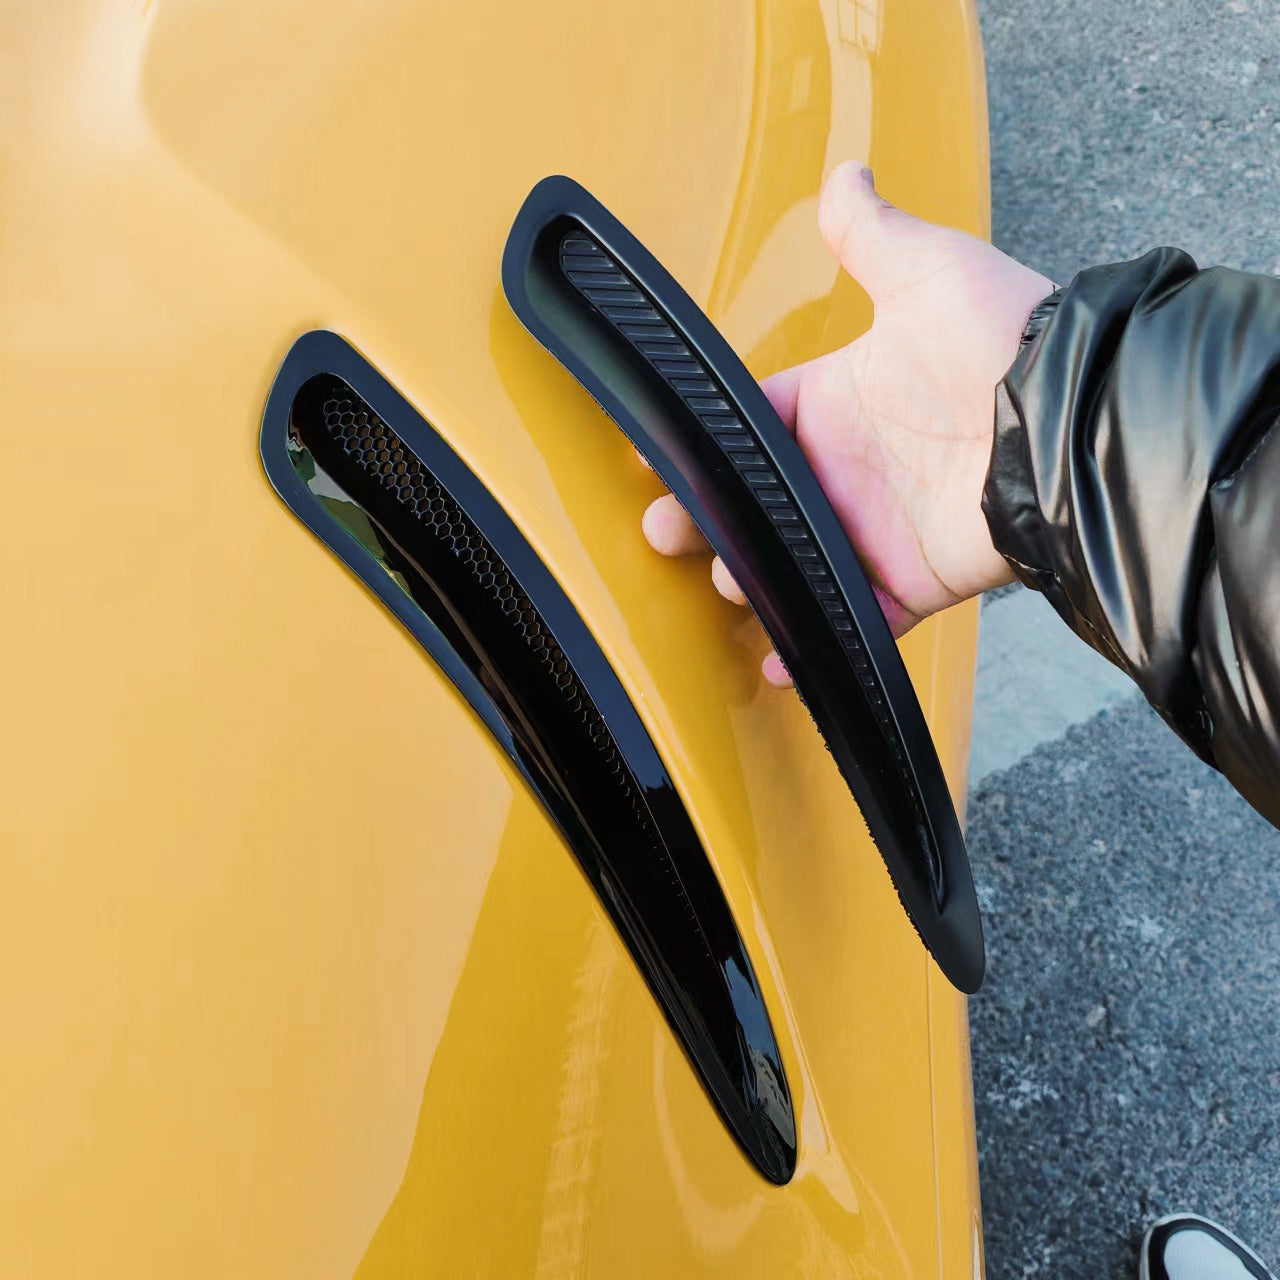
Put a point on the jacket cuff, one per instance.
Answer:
(1010, 502)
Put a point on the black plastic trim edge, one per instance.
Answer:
(855, 686)
(677, 926)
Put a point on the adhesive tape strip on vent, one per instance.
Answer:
(378, 485)
(587, 290)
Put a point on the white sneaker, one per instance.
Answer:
(1185, 1247)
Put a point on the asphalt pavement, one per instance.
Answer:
(1127, 1042)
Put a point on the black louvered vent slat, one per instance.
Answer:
(605, 307)
(582, 260)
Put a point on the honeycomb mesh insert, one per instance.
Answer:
(378, 452)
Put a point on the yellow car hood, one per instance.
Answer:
(298, 978)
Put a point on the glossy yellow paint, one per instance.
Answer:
(295, 977)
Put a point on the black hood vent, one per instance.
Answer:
(604, 306)
(384, 491)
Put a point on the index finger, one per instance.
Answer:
(782, 390)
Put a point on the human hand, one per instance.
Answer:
(898, 425)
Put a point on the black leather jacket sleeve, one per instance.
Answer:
(1135, 481)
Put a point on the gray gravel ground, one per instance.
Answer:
(1118, 125)
(1125, 1051)
(1127, 1043)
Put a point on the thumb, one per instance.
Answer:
(865, 232)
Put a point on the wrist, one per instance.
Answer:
(988, 568)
